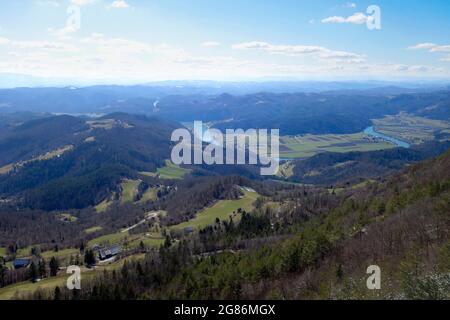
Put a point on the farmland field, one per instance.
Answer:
(109, 239)
(127, 240)
(221, 210)
(169, 171)
(413, 129)
(305, 146)
(62, 255)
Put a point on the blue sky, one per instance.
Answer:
(137, 40)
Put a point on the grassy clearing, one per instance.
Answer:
(172, 171)
(22, 288)
(309, 145)
(286, 170)
(413, 129)
(109, 239)
(128, 241)
(2, 252)
(104, 205)
(169, 171)
(129, 190)
(222, 210)
(67, 217)
(24, 252)
(93, 229)
(149, 194)
(62, 255)
(150, 240)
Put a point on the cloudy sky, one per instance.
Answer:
(147, 40)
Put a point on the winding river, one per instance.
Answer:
(371, 132)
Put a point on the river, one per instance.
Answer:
(371, 132)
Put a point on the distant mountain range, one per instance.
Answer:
(343, 111)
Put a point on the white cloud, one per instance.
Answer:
(356, 18)
(48, 46)
(210, 44)
(119, 4)
(118, 60)
(432, 47)
(4, 41)
(350, 5)
(64, 32)
(81, 3)
(298, 50)
(426, 45)
(416, 68)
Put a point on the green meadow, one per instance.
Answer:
(309, 145)
(222, 210)
(169, 171)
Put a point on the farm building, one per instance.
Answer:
(21, 263)
(108, 253)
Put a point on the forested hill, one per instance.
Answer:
(315, 245)
(353, 167)
(66, 162)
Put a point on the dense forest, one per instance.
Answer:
(101, 154)
(352, 167)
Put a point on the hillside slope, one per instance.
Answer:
(66, 162)
(315, 246)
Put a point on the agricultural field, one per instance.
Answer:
(222, 210)
(409, 128)
(150, 240)
(305, 146)
(109, 239)
(62, 255)
(128, 241)
(22, 288)
(169, 171)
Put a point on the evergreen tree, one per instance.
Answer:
(57, 294)
(33, 272)
(42, 270)
(89, 258)
(54, 266)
